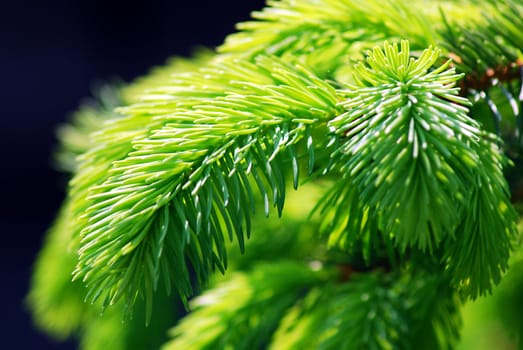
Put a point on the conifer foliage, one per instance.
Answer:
(337, 175)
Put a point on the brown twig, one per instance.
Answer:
(483, 80)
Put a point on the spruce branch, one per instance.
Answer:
(244, 311)
(418, 160)
(487, 43)
(364, 312)
(478, 255)
(180, 189)
(488, 49)
(285, 26)
(329, 35)
(407, 128)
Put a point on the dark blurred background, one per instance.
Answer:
(52, 53)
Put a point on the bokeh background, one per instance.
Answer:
(52, 55)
